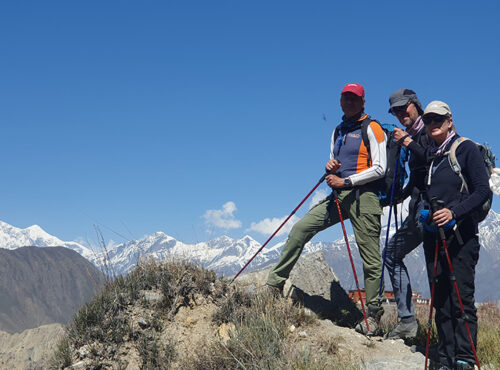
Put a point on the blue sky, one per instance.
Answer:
(200, 118)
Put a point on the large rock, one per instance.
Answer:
(313, 282)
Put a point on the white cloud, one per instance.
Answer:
(318, 196)
(222, 218)
(268, 226)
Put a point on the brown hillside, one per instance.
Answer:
(43, 285)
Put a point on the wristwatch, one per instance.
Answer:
(347, 181)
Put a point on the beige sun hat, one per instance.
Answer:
(437, 107)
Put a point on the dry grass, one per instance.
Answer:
(262, 338)
(106, 333)
(110, 320)
(488, 337)
(258, 340)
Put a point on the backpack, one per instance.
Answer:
(395, 173)
(489, 163)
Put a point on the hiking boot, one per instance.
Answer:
(374, 315)
(462, 365)
(296, 295)
(372, 324)
(275, 291)
(404, 329)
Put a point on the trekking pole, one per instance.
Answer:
(388, 225)
(334, 194)
(396, 216)
(436, 204)
(278, 229)
(429, 322)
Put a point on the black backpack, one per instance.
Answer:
(395, 173)
(489, 163)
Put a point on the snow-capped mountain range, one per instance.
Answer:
(226, 256)
(12, 237)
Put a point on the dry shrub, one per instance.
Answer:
(154, 354)
(63, 356)
(107, 321)
(259, 338)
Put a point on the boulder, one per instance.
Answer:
(313, 283)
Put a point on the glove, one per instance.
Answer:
(425, 219)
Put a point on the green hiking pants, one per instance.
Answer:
(365, 220)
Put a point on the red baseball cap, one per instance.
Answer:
(354, 88)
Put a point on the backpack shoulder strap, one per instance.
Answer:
(335, 134)
(452, 159)
(364, 130)
(364, 134)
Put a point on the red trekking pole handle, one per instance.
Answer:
(278, 229)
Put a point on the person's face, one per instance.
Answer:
(407, 115)
(351, 104)
(438, 127)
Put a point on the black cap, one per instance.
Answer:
(401, 97)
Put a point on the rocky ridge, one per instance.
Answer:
(198, 329)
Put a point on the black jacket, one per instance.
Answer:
(446, 185)
(417, 164)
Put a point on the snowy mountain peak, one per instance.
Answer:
(34, 228)
(248, 239)
(12, 237)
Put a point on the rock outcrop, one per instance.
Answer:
(314, 284)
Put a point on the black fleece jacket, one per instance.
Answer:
(417, 164)
(445, 184)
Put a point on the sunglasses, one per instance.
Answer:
(400, 110)
(438, 119)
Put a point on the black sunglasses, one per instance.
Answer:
(436, 118)
(400, 110)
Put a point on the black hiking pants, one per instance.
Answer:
(454, 343)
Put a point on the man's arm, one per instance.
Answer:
(403, 139)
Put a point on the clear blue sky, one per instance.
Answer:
(151, 116)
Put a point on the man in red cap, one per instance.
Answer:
(353, 167)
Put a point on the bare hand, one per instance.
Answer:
(442, 217)
(332, 166)
(399, 134)
(335, 182)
